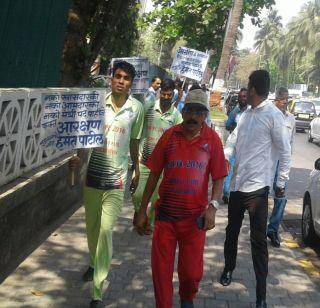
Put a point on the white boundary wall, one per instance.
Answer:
(20, 116)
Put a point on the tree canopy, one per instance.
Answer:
(96, 27)
(292, 54)
(201, 24)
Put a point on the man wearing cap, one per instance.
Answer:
(187, 154)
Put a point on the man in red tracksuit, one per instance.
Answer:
(186, 154)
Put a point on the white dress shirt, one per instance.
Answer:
(290, 123)
(259, 140)
(151, 95)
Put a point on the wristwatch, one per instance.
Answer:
(214, 203)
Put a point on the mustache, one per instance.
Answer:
(165, 101)
(191, 121)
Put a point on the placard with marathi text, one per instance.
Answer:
(190, 63)
(73, 120)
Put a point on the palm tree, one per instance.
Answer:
(281, 56)
(229, 42)
(266, 37)
(314, 71)
(303, 41)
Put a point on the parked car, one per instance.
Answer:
(314, 131)
(311, 207)
(304, 112)
(316, 103)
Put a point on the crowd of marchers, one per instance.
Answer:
(175, 152)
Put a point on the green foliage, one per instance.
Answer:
(97, 27)
(292, 55)
(270, 30)
(246, 63)
(147, 45)
(201, 24)
(119, 41)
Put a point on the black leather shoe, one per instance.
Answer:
(274, 238)
(96, 304)
(88, 275)
(226, 277)
(187, 304)
(261, 303)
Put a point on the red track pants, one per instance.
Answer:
(191, 241)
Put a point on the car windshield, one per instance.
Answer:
(304, 107)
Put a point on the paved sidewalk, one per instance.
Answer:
(51, 275)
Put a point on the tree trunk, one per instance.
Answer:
(87, 32)
(228, 44)
(208, 71)
(74, 54)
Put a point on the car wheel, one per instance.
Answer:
(310, 139)
(308, 232)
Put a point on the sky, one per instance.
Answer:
(148, 5)
(286, 9)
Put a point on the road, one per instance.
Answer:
(304, 156)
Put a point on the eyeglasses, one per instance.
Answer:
(197, 113)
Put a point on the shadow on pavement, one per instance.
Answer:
(54, 272)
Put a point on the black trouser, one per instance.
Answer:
(256, 203)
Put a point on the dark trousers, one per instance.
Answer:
(256, 203)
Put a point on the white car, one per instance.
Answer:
(311, 207)
(314, 130)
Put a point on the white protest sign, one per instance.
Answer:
(190, 63)
(72, 120)
(141, 81)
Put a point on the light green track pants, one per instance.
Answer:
(103, 208)
(137, 196)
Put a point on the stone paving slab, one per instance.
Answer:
(51, 275)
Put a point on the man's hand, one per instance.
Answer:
(209, 218)
(134, 183)
(231, 128)
(74, 162)
(280, 192)
(143, 228)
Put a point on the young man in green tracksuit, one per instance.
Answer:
(107, 173)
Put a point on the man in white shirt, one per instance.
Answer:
(281, 102)
(258, 142)
(152, 92)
